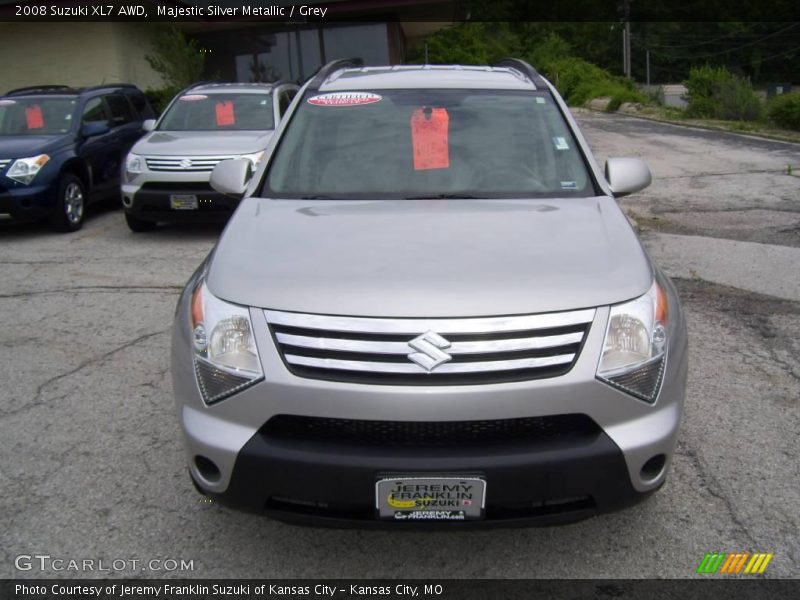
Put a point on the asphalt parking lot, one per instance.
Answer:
(91, 463)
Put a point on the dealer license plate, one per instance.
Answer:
(183, 202)
(410, 498)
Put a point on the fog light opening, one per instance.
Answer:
(207, 469)
(127, 202)
(653, 468)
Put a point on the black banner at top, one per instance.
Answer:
(400, 10)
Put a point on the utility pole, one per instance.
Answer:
(647, 53)
(626, 38)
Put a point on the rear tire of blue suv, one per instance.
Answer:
(138, 225)
(70, 207)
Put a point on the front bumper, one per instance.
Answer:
(27, 202)
(149, 199)
(333, 483)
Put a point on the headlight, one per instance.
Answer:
(254, 158)
(225, 355)
(634, 351)
(134, 164)
(25, 169)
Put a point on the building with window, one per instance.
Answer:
(89, 53)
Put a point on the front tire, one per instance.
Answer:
(138, 225)
(70, 208)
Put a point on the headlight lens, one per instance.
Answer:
(25, 169)
(634, 351)
(254, 158)
(225, 355)
(134, 164)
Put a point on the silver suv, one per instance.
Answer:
(165, 177)
(429, 308)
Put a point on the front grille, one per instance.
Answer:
(4, 162)
(187, 164)
(429, 433)
(430, 351)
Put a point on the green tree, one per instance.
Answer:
(176, 58)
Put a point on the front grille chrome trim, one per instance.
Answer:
(401, 348)
(198, 164)
(413, 369)
(469, 325)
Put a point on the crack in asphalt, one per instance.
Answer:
(38, 400)
(723, 174)
(141, 289)
(711, 485)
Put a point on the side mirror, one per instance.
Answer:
(149, 124)
(93, 128)
(231, 176)
(627, 175)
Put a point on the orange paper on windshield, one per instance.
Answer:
(33, 117)
(225, 114)
(429, 137)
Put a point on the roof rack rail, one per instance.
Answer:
(525, 68)
(37, 88)
(324, 71)
(105, 86)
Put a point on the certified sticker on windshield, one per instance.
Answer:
(345, 99)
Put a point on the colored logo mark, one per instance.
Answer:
(735, 563)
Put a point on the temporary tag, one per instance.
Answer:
(344, 99)
(429, 127)
(225, 114)
(33, 117)
(192, 98)
(560, 143)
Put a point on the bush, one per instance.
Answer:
(716, 93)
(176, 58)
(579, 81)
(159, 98)
(784, 110)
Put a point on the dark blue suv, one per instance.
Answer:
(62, 147)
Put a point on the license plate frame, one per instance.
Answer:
(421, 498)
(183, 202)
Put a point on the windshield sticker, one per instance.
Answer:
(33, 117)
(225, 115)
(429, 128)
(345, 99)
(569, 185)
(7, 102)
(193, 98)
(560, 143)
(539, 100)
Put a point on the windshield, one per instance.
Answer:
(219, 112)
(36, 115)
(427, 144)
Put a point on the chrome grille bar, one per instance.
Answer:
(4, 162)
(392, 367)
(176, 163)
(429, 351)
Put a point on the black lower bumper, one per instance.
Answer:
(549, 482)
(152, 203)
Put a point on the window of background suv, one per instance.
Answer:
(40, 115)
(201, 111)
(428, 143)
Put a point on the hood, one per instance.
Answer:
(23, 146)
(429, 258)
(201, 143)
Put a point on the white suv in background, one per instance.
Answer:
(165, 177)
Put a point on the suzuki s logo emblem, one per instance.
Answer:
(186, 163)
(429, 350)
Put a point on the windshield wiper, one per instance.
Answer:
(443, 197)
(316, 197)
